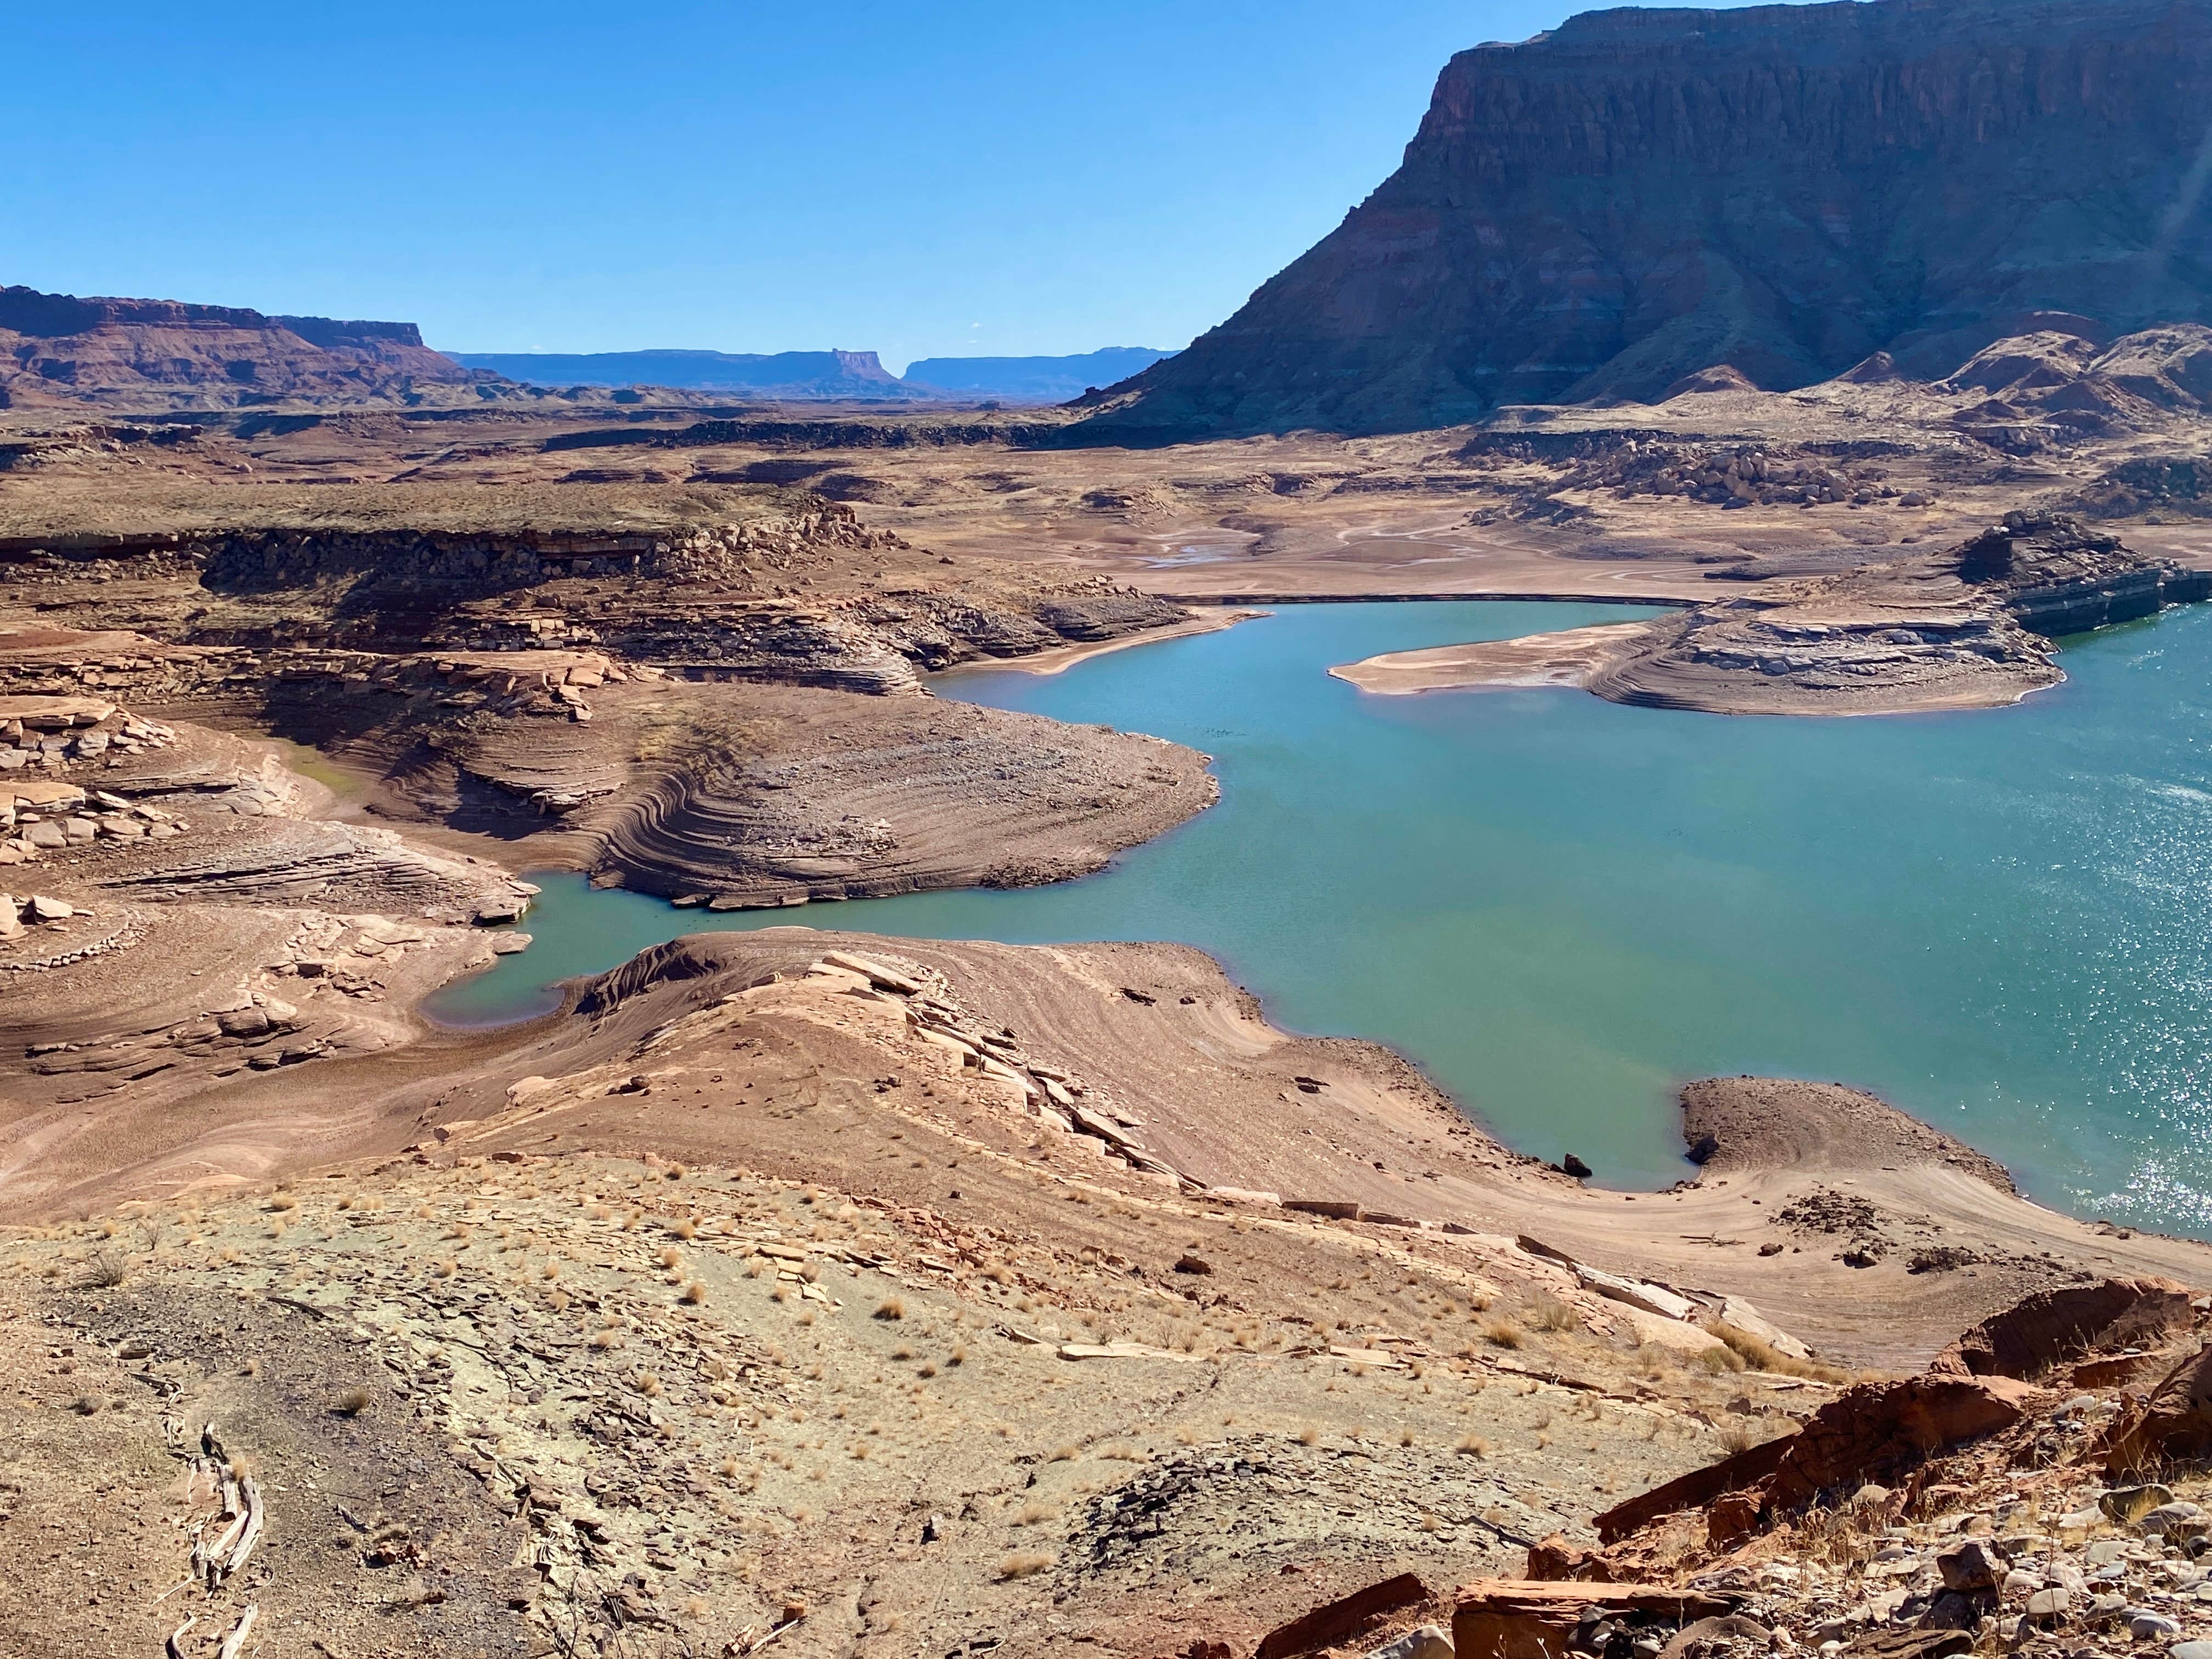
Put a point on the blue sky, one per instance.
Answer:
(976, 178)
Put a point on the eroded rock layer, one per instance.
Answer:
(1772, 195)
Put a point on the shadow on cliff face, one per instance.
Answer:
(1636, 197)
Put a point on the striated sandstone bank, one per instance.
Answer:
(1968, 627)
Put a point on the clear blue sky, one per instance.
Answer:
(974, 177)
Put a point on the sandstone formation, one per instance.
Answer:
(1769, 196)
(1968, 627)
(58, 350)
(810, 1292)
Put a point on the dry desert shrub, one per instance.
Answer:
(1738, 1438)
(1765, 1357)
(890, 1308)
(1548, 1313)
(1471, 1445)
(1716, 1361)
(353, 1403)
(1502, 1333)
(695, 1293)
(1023, 1566)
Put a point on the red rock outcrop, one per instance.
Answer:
(2030, 1337)
(1870, 1432)
(1782, 191)
(2173, 1423)
(58, 350)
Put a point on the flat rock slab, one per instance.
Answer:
(1122, 1351)
(46, 713)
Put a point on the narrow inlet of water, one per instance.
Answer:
(1562, 908)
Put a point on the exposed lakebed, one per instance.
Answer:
(1563, 908)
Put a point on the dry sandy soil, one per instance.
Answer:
(438, 1289)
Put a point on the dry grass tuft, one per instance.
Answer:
(890, 1308)
(353, 1403)
(1548, 1313)
(1023, 1566)
(1765, 1357)
(1471, 1445)
(1502, 1333)
(695, 1293)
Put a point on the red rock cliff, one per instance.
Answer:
(1639, 195)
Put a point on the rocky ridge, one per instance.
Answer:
(1967, 627)
(56, 349)
(1770, 196)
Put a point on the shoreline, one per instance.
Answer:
(1818, 1171)
(1215, 1135)
(1061, 659)
(1475, 596)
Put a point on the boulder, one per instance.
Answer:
(1521, 1618)
(1427, 1641)
(1971, 1566)
(1736, 1312)
(1554, 1560)
(1870, 1431)
(2050, 1604)
(1333, 1623)
(1866, 1433)
(2173, 1421)
(1728, 1633)
(2054, 1326)
(43, 908)
(2128, 1504)
(243, 1023)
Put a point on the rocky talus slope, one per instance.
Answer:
(862, 1296)
(1773, 194)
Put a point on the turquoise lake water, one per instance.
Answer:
(1563, 909)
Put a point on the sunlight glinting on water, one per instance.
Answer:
(1563, 909)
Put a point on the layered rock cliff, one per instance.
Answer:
(56, 349)
(1781, 190)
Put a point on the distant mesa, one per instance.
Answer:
(825, 376)
(1648, 202)
(782, 376)
(57, 350)
(1033, 380)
